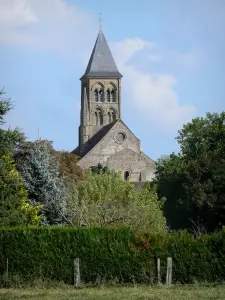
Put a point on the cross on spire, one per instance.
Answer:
(100, 20)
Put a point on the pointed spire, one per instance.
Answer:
(101, 63)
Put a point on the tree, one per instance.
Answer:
(39, 169)
(193, 181)
(203, 137)
(9, 139)
(106, 200)
(69, 171)
(14, 207)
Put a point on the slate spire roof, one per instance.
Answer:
(101, 63)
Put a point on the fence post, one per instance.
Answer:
(76, 272)
(169, 271)
(158, 271)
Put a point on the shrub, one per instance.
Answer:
(110, 254)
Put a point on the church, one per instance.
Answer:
(103, 136)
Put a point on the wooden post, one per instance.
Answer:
(169, 271)
(158, 271)
(76, 272)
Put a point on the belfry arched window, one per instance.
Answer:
(111, 115)
(108, 95)
(113, 95)
(96, 95)
(101, 95)
(98, 117)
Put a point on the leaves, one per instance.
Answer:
(106, 200)
(193, 181)
(14, 207)
(40, 173)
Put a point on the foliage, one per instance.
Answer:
(193, 181)
(203, 136)
(39, 170)
(99, 169)
(9, 139)
(69, 171)
(14, 207)
(105, 199)
(110, 254)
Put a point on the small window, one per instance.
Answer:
(101, 94)
(126, 175)
(96, 118)
(113, 96)
(100, 118)
(113, 116)
(109, 118)
(108, 95)
(96, 95)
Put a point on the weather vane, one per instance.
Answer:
(100, 20)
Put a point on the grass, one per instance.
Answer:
(191, 292)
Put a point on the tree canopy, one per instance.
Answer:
(106, 200)
(193, 181)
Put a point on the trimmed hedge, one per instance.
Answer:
(109, 254)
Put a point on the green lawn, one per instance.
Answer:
(119, 293)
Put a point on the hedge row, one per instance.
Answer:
(109, 254)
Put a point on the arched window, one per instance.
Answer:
(109, 117)
(98, 117)
(126, 175)
(113, 116)
(96, 95)
(101, 95)
(108, 95)
(113, 96)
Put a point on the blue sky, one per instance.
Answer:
(170, 52)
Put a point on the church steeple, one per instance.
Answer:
(100, 92)
(101, 62)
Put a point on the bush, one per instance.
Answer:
(109, 254)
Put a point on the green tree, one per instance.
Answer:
(14, 207)
(9, 139)
(193, 181)
(69, 171)
(106, 200)
(203, 138)
(39, 169)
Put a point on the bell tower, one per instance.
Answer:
(100, 91)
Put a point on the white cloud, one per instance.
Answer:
(15, 12)
(153, 95)
(56, 25)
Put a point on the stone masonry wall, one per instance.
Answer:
(107, 147)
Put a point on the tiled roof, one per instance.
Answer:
(101, 63)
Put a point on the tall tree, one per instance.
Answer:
(9, 139)
(193, 181)
(14, 207)
(39, 169)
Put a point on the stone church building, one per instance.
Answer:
(103, 137)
